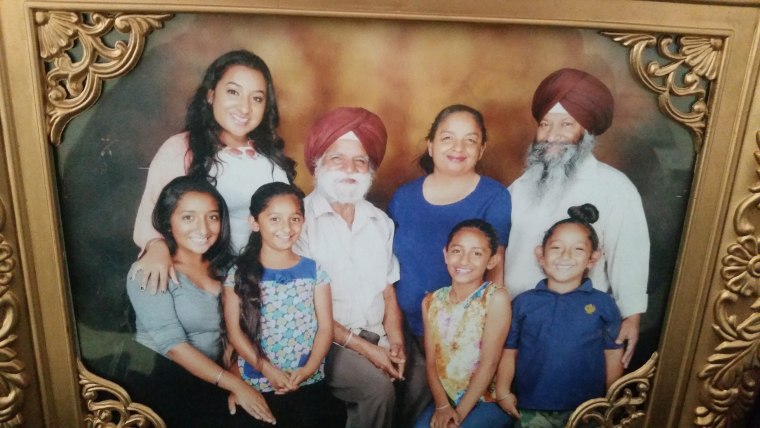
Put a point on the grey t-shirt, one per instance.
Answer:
(184, 314)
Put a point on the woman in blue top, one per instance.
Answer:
(184, 324)
(427, 208)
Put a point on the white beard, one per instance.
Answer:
(331, 184)
(549, 173)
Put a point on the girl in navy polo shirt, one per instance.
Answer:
(561, 347)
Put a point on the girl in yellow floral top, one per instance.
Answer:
(466, 325)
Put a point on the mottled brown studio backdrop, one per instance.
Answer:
(405, 71)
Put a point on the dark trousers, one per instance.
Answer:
(310, 406)
(180, 399)
(415, 395)
(372, 400)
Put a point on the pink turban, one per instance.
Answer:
(584, 96)
(340, 121)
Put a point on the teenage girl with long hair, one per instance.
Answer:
(230, 139)
(278, 311)
(183, 324)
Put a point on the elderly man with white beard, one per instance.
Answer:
(352, 240)
(572, 108)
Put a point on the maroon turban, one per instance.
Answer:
(584, 96)
(338, 122)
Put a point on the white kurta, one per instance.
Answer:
(359, 260)
(622, 229)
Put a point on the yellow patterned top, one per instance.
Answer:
(456, 330)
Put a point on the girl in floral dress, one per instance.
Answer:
(277, 311)
(465, 326)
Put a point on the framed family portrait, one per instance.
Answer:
(90, 90)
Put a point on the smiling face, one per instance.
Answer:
(558, 130)
(457, 145)
(567, 256)
(195, 224)
(468, 256)
(238, 101)
(343, 172)
(279, 223)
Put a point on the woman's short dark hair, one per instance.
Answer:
(425, 160)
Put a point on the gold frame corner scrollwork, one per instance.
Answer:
(730, 375)
(72, 85)
(13, 378)
(110, 405)
(625, 402)
(694, 64)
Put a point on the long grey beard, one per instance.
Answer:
(549, 173)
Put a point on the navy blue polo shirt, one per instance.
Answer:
(561, 340)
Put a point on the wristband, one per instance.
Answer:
(505, 396)
(443, 407)
(350, 334)
(218, 377)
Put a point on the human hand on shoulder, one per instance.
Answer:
(156, 266)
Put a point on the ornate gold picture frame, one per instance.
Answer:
(695, 64)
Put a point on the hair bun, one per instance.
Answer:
(586, 213)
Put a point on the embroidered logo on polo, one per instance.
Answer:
(590, 308)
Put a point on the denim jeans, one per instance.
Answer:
(482, 415)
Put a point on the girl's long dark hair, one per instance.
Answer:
(219, 255)
(249, 267)
(204, 130)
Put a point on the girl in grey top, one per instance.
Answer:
(184, 323)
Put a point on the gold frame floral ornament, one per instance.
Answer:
(731, 373)
(75, 60)
(110, 405)
(13, 378)
(625, 402)
(697, 56)
(73, 85)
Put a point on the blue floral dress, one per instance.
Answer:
(288, 320)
